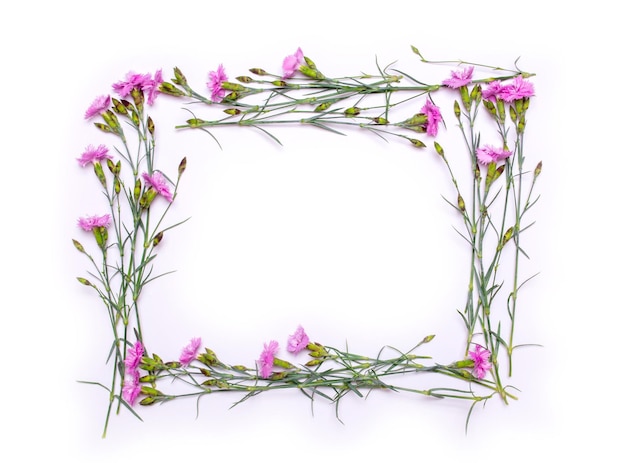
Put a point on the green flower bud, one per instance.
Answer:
(258, 71)
(417, 143)
(78, 246)
(150, 126)
(457, 109)
(137, 189)
(439, 149)
(97, 167)
(119, 107)
(169, 89)
(232, 111)
(352, 112)
(179, 78)
(461, 203)
(157, 239)
(538, 169)
(84, 281)
(147, 198)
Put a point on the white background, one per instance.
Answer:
(365, 253)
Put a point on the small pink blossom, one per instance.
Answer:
(133, 356)
(519, 89)
(99, 105)
(297, 341)
(482, 365)
(133, 80)
(488, 154)
(190, 351)
(159, 183)
(292, 63)
(216, 78)
(434, 118)
(93, 154)
(266, 360)
(152, 86)
(132, 388)
(493, 91)
(460, 78)
(90, 222)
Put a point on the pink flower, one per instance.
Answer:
(99, 105)
(488, 154)
(266, 360)
(519, 89)
(133, 80)
(292, 63)
(482, 365)
(133, 356)
(93, 154)
(90, 222)
(216, 78)
(460, 78)
(159, 183)
(152, 86)
(434, 118)
(131, 389)
(190, 351)
(297, 341)
(493, 91)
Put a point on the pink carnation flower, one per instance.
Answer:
(434, 118)
(133, 356)
(190, 351)
(493, 91)
(460, 78)
(99, 105)
(133, 80)
(152, 86)
(216, 78)
(519, 89)
(482, 365)
(292, 63)
(159, 183)
(297, 341)
(90, 222)
(488, 154)
(131, 389)
(266, 360)
(93, 154)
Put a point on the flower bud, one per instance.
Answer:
(439, 149)
(457, 109)
(323, 106)
(137, 189)
(461, 203)
(283, 364)
(233, 87)
(147, 198)
(119, 107)
(245, 79)
(78, 246)
(157, 239)
(112, 121)
(538, 169)
(380, 120)
(150, 126)
(117, 185)
(84, 281)
(311, 72)
(417, 143)
(97, 167)
(352, 112)
(232, 111)
(148, 401)
(258, 71)
(476, 94)
(182, 166)
(138, 98)
(169, 89)
(179, 78)
(505, 238)
(465, 98)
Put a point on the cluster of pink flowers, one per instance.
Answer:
(132, 389)
(88, 223)
(517, 90)
(481, 357)
(295, 343)
(488, 154)
(159, 183)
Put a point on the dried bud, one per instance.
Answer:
(182, 166)
(150, 126)
(505, 238)
(538, 169)
(157, 239)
